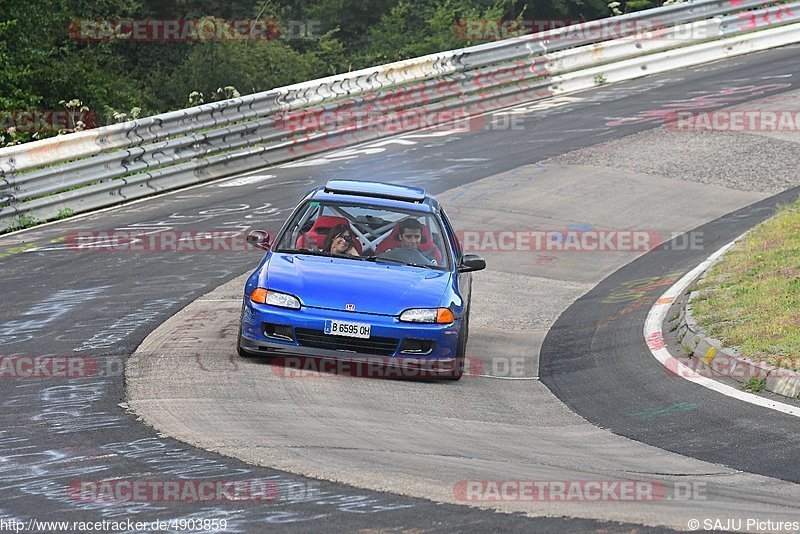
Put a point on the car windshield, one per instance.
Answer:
(367, 233)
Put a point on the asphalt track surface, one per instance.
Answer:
(57, 301)
(596, 343)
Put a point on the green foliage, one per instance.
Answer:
(63, 213)
(114, 116)
(46, 67)
(755, 385)
(11, 136)
(43, 64)
(22, 222)
(249, 66)
(638, 5)
(418, 27)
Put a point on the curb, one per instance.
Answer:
(727, 361)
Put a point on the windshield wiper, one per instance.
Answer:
(394, 260)
(375, 259)
(310, 252)
(307, 251)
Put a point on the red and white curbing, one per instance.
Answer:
(654, 336)
(710, 354)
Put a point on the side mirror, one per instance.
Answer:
(471, 262)
(259, 239)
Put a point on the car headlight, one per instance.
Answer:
(275, 298)
(428, 315)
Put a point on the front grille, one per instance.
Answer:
(377, 346)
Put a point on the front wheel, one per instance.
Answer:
(461, 351)
(239, 349)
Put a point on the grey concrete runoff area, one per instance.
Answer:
(422, 439)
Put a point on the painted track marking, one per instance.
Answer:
(652, 331)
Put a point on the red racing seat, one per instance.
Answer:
(426, 245)
(314, 239)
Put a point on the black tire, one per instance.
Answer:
(461, 351)
(239, 349)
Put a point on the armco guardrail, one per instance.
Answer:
(109, 165)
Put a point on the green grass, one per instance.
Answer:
(63, 213)
(755, 385)
(29, 221)
(751, 298)
(22, 222)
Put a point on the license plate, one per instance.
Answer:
(345, 328)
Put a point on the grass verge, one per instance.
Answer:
(751, 298)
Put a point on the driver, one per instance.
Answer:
(410, 234)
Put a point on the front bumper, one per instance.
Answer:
(443, 338)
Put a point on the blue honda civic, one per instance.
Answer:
(362, 271)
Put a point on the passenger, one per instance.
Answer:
(339, 241)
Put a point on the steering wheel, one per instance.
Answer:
(407, 255)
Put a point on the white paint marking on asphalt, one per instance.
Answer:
(438, 133)
(539, 105)
(123, 327)
(332, 157)
(120, 207)
(44, 312)
(246, 180)
(391, 142)
(653, 335)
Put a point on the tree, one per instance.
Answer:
(416, 28)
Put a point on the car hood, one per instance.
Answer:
(332, 283)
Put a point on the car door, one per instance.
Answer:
(464, 280)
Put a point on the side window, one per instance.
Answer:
(300, 223)
(453, 237)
